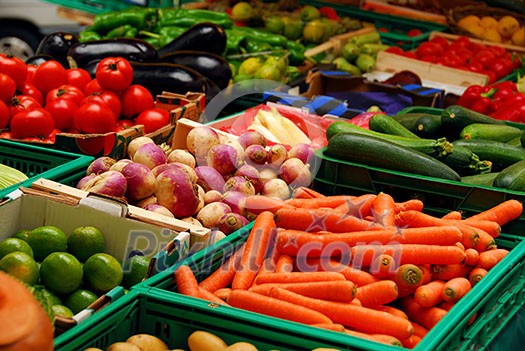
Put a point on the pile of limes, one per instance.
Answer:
(73, 269)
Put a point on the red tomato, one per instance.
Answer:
(66, 92)
(498, 51)
(7, 87)
(440, 41)
(29, 89)
(429, 48)
(92, 87)
(428, 58)
(114, 73)
(502, 67)
(382, 30)
(395, 50)
(32, 123)
(485, 57)
(49, 75)
(153, 119)
(410, 54)
(491, 75)
(21, 103)
(106, 97)
(516, 61)
(462, 41)
(414, 32)
(94, 118)
(14, 67)
(78, 77)
(30, 72)
(135, 99)
(62, 111)
(4, 115)
(475, 66)
(123, 124)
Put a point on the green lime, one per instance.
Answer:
(61, 310)
(45, 240)
(61, 272)
(51, 297)
(249, 66)
(135, 270)
(14, 244)
(242, 11)
(22, 234)
(102, 272)
(20, 265)
(79, 299)
(83, 242)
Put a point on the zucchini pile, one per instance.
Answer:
(459, 144)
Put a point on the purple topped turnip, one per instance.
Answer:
(276, 188)
(251, 137)
(141, 181)
(236, 200)
(255, 154)
(182, 156)
(209, 178)
(238, 147)
(136, 143)
(85, 182)
(231, 222)
(120, 164)
(159, 209)
(191, 220)
(200, 140)
(150, 155)
(277, 155)
(147, 201)
(100, 165)
(110, 183)
(177, 193)
(252, 174)
(295, 173)
(212, 196)
(303, 152)
(223, 158)
(210, 214)
(240, 184)
(267, 173)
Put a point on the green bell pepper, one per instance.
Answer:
(234, 40)
(296, 51)
(256, 46)
(125, 31)
(138, 17)
(270, 38)
(88, 35)
(189, 17)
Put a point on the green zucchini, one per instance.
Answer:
(388, 125)
(500, 154)
(512, 177)
(522, 139)
(377, 152)
(465, 162)
(486, 179)
(454, 118)
(429, 126)
(515, 142)
(435, 148)
(409, 120)
(496, 132)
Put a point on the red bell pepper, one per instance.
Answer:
(484, 105)
(511, 112)
(470, 96)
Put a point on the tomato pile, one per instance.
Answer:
(462, 53)
(37, 102)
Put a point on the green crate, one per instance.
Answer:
(100, 6)
(397, 26)
(39, 162)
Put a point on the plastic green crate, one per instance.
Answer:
(101, 6)
(39, 162)
(397, 26)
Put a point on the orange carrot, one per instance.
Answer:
(426, 276)
(407, 277)
(383, 210)
(356, 302)
(327, 201)
(321, 219)
(449, 271)
(223, 276)
(186, 282)
(360, 206)
(223, 293)
(472, 257)
(284, 264)
(455, 289)
(411, 342)
(409, 253)
(251, 301)
(357, 276)
(383, 266)
(383, 339)
(362, 319)
(429, 294)
(331, 326)
(419, 330)
(489, 259)
(338, 290)
(292, 242)
(206, 295)
(501, 213)
(476, 275)
(428, 317)
(412, 204)
(453, 215)
(299, 277)
(389, 309)
(303, 192)
(378, 293)
(460, 245)
(255, 250)
(491, 227)
(486, 241)
(258, 204)
(267, 266)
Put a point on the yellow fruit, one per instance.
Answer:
(469, 21)
(242, 11)
(507, 25)
(83, 242)
(102, 272)
(21, 266)
(148, 342)
(45, 240)
(241, 346)
(79, 299)
(476, 30)
(204, 341)
(518, 38)
(123, 346)
(492, 35)
(249, 66)
(61, 272)
(92, 349)
(488, 22)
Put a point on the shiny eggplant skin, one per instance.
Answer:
(159, 77)
(57, 44)
(38, 59)
(210, 65)
(212, 89)
(204, 36)
(131, 49)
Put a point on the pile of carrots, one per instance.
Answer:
(365, 265)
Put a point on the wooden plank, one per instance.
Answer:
(81, 17)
